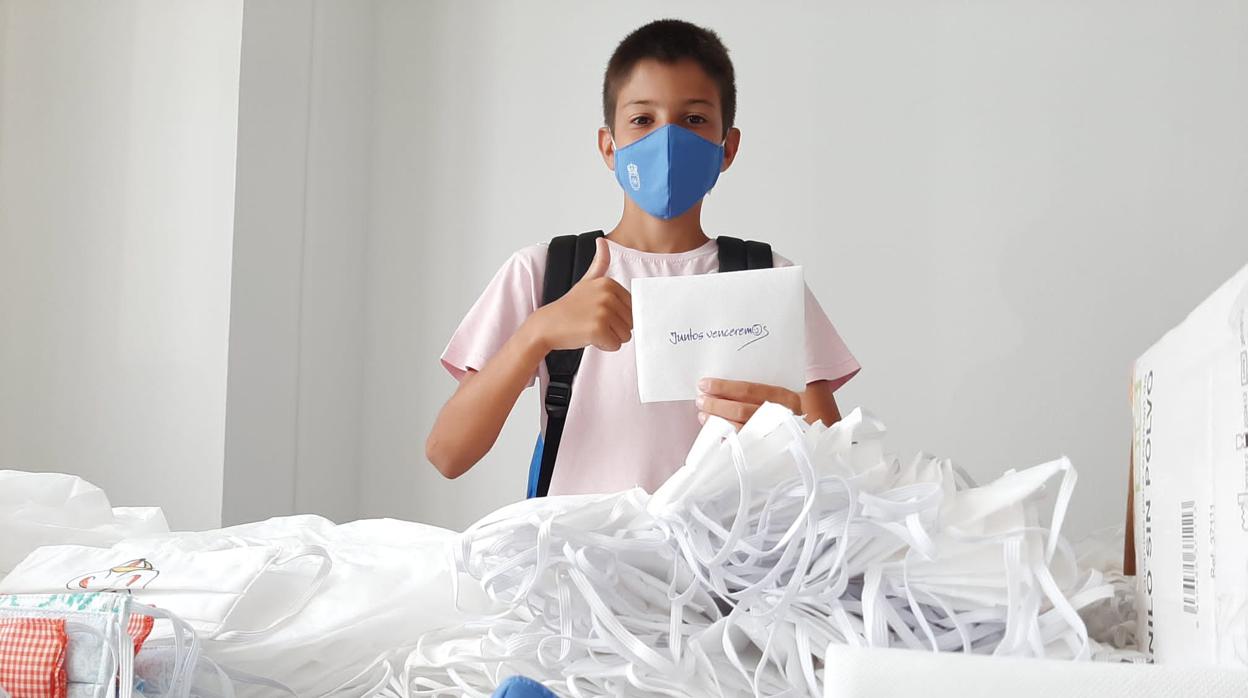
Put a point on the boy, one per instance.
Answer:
(669, 93)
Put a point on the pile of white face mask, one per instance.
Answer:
(100, 660)
(737, 574)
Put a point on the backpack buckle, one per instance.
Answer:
(558, 395)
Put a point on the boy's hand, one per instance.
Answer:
(597, 311)
(737, 401)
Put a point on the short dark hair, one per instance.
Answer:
(669, 41)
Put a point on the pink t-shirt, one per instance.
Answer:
(611, 441)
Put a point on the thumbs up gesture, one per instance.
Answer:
(597, 311)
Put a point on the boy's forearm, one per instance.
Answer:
(819, 404)
(471, 420)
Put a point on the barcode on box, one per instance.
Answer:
(1187, 524)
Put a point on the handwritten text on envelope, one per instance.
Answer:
(743, 325)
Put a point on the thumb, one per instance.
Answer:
(602, 260)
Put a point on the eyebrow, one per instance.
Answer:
(650, 103)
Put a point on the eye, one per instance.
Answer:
(640, 120)
(696, 119)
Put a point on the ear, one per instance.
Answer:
(605, 148)
(731, 144)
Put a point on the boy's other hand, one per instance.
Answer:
(737, 401)
(597, 311)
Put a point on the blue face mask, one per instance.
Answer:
(669, 170)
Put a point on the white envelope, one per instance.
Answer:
(743, 325)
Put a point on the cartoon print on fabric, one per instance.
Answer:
(135, 574)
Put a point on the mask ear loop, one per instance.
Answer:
(576, 558)
(227, 684)
(807, 492)
(185, 654)
(123, 654)
(322, 572)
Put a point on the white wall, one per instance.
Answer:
(297, 322)
(143, 109)
(453, 115)
(116, 203)
(999, 204)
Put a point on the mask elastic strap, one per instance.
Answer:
(317, 581)
(185, 653)
(186, 662)
(223, 679)
(124, 657)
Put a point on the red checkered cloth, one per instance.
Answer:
(138, 629)
(32, 657)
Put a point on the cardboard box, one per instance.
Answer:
(1189, 484)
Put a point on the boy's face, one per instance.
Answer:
(658, 94)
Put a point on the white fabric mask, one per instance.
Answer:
(202, 587)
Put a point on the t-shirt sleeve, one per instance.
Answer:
(509, 299)
(827, 357)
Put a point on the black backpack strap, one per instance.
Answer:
(739, 255)
(567, 260)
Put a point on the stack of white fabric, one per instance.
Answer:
(740, 571)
